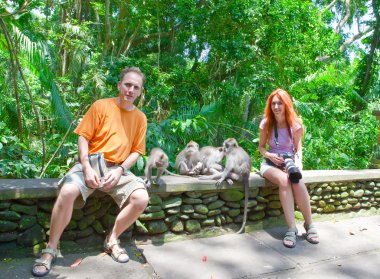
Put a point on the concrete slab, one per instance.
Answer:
(338, 239)
(227, 256)
(348, 249)
(94, 265)
(363, 266)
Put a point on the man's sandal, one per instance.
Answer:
(44, 262)
(311, 233)
(290, 235)
(115, 251)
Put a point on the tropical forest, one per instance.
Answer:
(209, 64)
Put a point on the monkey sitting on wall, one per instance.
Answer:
(238, 168)
(188, 161)
(211, 158)
(159, 160)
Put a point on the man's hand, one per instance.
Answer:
(91, 178)
(112, 178)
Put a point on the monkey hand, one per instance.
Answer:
(148, 183)
(230, 181)
(159, 182)
(219, 183)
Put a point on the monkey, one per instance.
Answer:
(159, 160)
(238, 168)
(188, 161)
(211, 158)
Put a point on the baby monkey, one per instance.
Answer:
(159, 160)
(211, 158)
(238, 168)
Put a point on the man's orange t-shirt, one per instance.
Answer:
(113, 131)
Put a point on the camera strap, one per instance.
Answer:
(290, 135)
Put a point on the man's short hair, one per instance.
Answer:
(135, 70)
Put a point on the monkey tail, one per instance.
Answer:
(178, 175)
(246, 194)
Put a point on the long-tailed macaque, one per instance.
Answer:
(211, 158)
(159, 160)
(188, 161)
(238, 167)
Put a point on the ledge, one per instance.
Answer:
(47, 188)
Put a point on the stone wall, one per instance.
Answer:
(182, 207)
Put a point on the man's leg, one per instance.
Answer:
(136, 204)
(60, 218)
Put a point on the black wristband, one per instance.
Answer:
(122, 168)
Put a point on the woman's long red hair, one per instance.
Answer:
(290, 115)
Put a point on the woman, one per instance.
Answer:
(282, 131)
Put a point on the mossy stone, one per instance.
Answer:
(152, 208)
(216, 204)
(201, 208)
(152, 216)
(257, 216)
(187, 208)
(6, 226)
(171, 202)
(27, 222)
(177, 226)
(154, 199)
(156, 227)
(192, 226)
(9, 215)
(233, 212)
(208, 222)
(231, 195)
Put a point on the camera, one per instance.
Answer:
(294, 172)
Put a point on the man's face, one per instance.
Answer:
(130, 87)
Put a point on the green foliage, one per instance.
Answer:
(15, 158)
(209, 67)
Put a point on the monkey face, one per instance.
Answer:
(192, 147)
(162, 162)
(229, 144)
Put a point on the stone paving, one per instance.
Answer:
(349, 248)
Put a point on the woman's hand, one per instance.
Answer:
(277, 160)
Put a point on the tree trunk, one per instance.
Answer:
(39, 128)
(374, 44)
(107, 25)
(14, 80)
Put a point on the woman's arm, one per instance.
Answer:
(262, 148)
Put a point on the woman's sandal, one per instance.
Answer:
(45, 262)
(114, 250)
(290, 235)
(311, 233)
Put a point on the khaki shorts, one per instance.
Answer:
(120, 193)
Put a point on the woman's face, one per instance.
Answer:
(277, 106)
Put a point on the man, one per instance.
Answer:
(116, 128)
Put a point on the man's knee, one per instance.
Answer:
(68, 194)
(139, 199)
